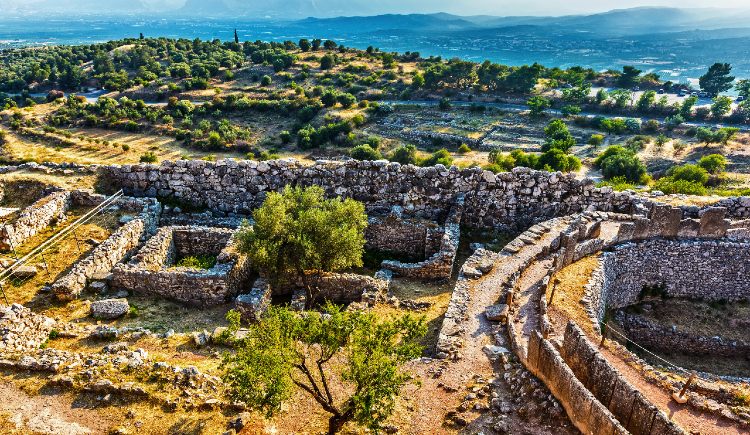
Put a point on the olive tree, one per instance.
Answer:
(299, 235)
(348, 361)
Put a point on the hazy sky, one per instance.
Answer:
(499, 7)
(371, 7)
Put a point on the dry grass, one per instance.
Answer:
(58, 258)
(569, 291)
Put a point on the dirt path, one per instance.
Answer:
(690, 419)
(46, 414)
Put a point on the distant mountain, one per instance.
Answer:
(621, 22)
(412, 22)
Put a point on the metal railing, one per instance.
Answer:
(8, 272)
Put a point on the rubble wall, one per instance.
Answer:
(510, 198)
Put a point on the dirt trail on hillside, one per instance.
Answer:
(47, 414)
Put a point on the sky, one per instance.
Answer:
(372, 7)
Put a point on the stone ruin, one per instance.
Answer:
(152, 270)
(699, 258)
(641, 242)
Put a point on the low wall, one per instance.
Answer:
(701, 269)
(611, 389)
(413, 238)
(440, 264)
(656, 337)
(149, 272)
(118, 246)
(339, 288)
(584, 410)
(509, 199)
(33, 219)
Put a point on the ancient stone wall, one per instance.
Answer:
(191, 240)
(118, 246)
(584, 410)
(611, 389)
(703, 269)
(149, 271)
(33, 219)
(440, 264)
(510, 198)
(657, 337)
(412, 238)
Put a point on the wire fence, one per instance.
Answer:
(614, 331)
(16, 275)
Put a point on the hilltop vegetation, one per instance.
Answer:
(316, 98)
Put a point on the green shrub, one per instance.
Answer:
(405, 154)
(148, 157)
(690, 173)
(596, 140)
(125, 147)
(197, 262)
(617, 161)
(669, 185)
(439, 157)
(713, 163)
(365, 152)
(463, 149)
(266, 80)
(558, 160)
(617, 183)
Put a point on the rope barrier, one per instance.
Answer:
(95, 212)
(668, 363)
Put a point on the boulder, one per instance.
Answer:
(25, 272)
(108, 309)
(497, 313)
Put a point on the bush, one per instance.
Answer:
(346, 100)
(617, 161)
(596, 140)
(463, 149)
(690, 173)
(651, 126)
(266, 80)
(669, 185)
(197, 262)
(439, 157)
(617, 183)
(405, 154)
(558, 137)
(445, 104)
(125, 147)
(365, 152)
(558, 160)
(148, 157)
(713, 163)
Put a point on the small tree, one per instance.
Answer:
(558, 136)
(305, 45)
(300, 234)
(537, 105)
(713, 163)
(717, 79)
(312, 351)
(721, 106)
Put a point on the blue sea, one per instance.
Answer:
(676, 60)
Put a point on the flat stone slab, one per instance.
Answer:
(497, 313)
(108, 309)
(25, 272)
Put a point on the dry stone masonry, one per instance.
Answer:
(152, 270)
(33, 219)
